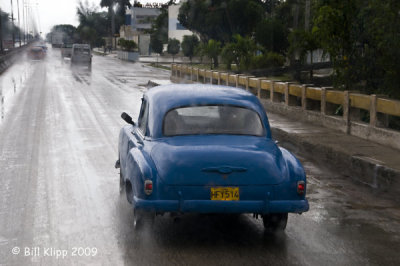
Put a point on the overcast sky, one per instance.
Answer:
(51, 12)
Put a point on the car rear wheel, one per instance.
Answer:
(142, 218)
(275, 222)
(129, 192)
(121, 183)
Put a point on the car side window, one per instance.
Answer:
(143, 116)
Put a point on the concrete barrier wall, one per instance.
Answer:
(340, 110)
(8, 59)
(128, 56)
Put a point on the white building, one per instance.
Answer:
(175, 29)
(142, 17)
(140, 20)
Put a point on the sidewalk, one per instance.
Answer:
(99, 51)
(370, 163)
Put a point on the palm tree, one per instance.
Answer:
(110, 5)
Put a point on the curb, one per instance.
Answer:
(5, 64)
(98, 53)
(380, 178)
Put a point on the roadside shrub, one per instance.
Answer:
(267, 60)
(127, 45)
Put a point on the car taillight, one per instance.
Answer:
(301, 187)
(148, 187)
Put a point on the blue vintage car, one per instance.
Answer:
(207, 149)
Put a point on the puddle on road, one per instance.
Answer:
(82, 75)
(338, 201)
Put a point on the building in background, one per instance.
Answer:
(142, 17)
(138, 22)
(175, 29)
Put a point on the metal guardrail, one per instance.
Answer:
(299, 94)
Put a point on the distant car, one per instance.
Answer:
(207, 149)
(81, 54)
(36, 53)
(44, 47)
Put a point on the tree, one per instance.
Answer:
(244, 49)
(240, 51)
(189, 44)
(110, 5)
(121, 5)
(212, 49)
(121, 11)
(92, 24)
(301, 43)
(71, 34)
(363, 41)
(156, 45)
(228, 55)
(379, 46)
(159, 27)
(220, 20)
(7, 27)
(272, 35)
(173, 47)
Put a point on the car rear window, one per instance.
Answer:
(84, 51)
(212, 119)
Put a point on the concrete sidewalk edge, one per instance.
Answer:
(361, 169)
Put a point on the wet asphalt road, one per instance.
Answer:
(59, 189)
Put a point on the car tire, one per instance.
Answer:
(129, 192)
(142, 218)
(121, 183)
(275, 222)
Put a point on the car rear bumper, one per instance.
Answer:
(209, 206)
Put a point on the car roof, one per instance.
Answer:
(164, 98)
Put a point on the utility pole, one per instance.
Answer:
(12, 22)
(19, 24)
(23, 16)
(112, 25)
(27, 23)
(1, 32)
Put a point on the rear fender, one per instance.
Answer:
(139, 169)
(296, 173)
(125, 144)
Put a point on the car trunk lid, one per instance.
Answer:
(219, 161)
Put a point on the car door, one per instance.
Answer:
(133, 137)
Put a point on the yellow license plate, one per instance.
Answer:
(224, 193)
